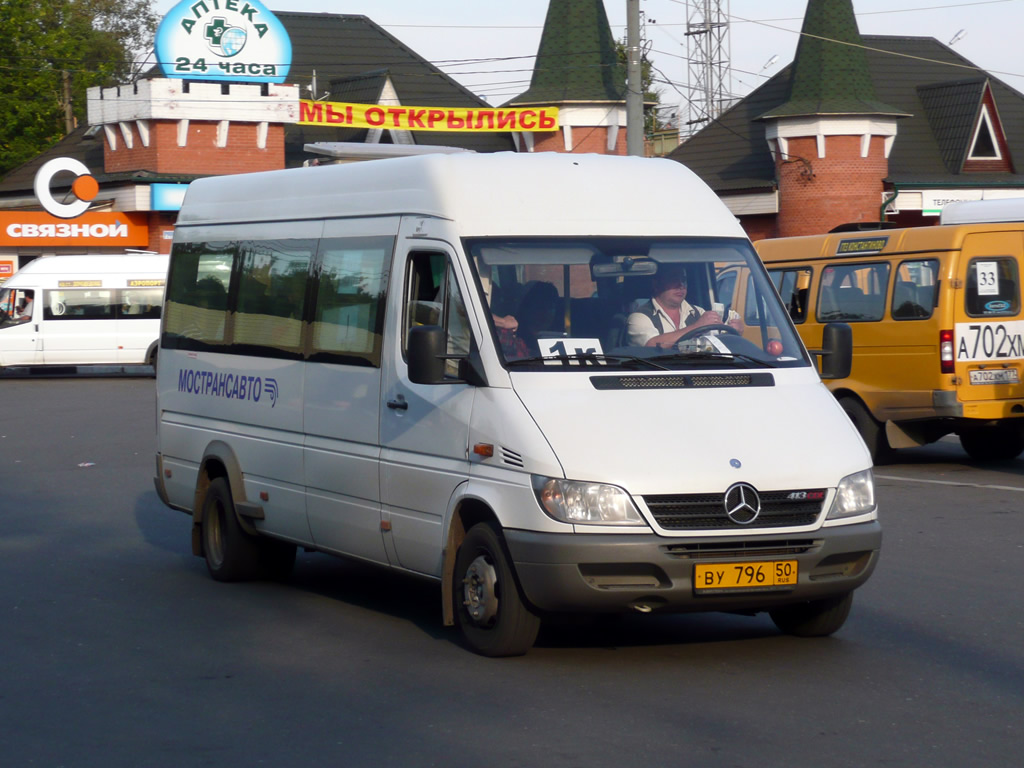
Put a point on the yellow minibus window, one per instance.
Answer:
(853, 292)
(992, 287)
(913, 291)
(792, 285)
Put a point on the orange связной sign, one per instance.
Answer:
(100, 228)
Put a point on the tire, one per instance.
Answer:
(489, 610)
(993, 443)
(231, 553)
(816, 618)
(872, 431)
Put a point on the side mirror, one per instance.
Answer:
(427, 349)
(836, 351)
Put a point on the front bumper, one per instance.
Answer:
(611, 573)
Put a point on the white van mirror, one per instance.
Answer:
(836, 351)
(427, 354)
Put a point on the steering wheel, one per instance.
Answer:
(703, 329)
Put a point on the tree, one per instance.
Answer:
(53, 51)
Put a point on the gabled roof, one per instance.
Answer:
(731, 154)
(952, 110)
(830, 73)
(341, 48)
(576, 60)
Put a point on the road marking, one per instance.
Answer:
(951, 482)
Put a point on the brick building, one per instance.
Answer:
(860, 129)
(154, 136)
(577, 70)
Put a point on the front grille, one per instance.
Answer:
(684, 381)
(745, 549)
(706, 511)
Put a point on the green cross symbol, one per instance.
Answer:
(215, 31)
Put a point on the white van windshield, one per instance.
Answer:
(672, 303)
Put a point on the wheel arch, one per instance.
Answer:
(218, 461)
(466, 511)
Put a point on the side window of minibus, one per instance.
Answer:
(16, 307)
(273, 275)
(853, 292)
(140, 303)
(792, 286)
(993, 287)
(197, 295)
(913, 290)
(348, 320)
(79, 304)
(433, 298)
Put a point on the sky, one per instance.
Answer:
(489, 45)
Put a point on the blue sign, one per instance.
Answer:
(166, 197)
(236, 40)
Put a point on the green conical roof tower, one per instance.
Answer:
(830, 72)
(576, 60)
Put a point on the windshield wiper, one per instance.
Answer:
(589, 357)
(714, 357)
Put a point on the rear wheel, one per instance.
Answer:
(815, 618)
(872, 431)
(231, 553)
(993, 443)
(489, 610)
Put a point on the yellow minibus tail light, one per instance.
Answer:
(946, 351)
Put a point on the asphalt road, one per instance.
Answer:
(117, 649)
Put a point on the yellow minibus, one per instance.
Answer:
(938, 333)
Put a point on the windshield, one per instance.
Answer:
(639, 303)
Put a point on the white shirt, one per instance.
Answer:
(641, 327)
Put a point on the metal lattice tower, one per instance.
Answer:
(707, 57)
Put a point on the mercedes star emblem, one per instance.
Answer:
(742, 503)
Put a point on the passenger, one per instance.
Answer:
(665, 318)
(508, 322)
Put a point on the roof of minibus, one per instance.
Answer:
(891, 241)
(88, 264)
(503, 193)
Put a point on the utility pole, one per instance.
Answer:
(634, 82)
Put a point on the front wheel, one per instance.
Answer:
(490, 613)
(815, 618)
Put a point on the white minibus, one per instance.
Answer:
(83, 310)
(452, 366)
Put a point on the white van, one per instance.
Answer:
(433, 364)
(83, 310)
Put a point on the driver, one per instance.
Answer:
(661, 321)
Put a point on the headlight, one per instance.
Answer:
(569, 501)
(854, 496)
